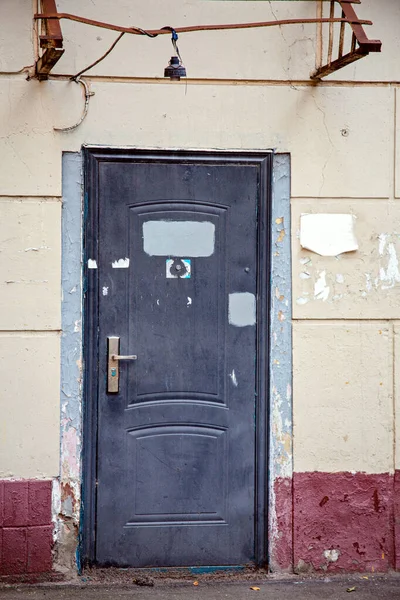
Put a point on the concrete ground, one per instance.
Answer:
(331, 588)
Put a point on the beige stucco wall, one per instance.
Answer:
(342, 138)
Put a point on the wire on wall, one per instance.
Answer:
(88, 94)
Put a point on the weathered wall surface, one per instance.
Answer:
(245, 90)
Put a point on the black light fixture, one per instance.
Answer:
(175, 69)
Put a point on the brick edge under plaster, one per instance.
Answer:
(26, 529)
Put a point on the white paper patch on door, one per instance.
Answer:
(242, 309)
(328, 234)
(179, 238)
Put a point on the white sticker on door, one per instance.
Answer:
(178, 268)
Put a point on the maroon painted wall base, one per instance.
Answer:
(26, 530)
(332, 522)
(342, 522)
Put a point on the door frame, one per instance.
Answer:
(265, 471)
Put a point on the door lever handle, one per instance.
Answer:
(113, 358)
(122, 357)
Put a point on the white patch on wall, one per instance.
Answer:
(91, 264)
(387, 275)
(332, 555)
(105, 290)
(328, 234)
(179, 238)
(321, 290)
(390, 275)
(121, 263)
(189, 301)
(242, 309)
(382, 243)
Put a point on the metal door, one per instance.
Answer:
(179, 458)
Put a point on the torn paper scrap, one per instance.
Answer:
(328, 234)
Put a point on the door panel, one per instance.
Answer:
(177, 445)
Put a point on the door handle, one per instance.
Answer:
(113, 358)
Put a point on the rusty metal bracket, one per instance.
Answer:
(361, 45)
(51, 41)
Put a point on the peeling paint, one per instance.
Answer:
(121, 263)
(280, 448)
(92, 264)
(37, 249)
(66, 491)
(387, 275)
(382, 243)
(332, 555)
(233, 378)
(391, 275)
(321, 289)
(27, 281)
(281, 236)
(105, 290)
(306, 260)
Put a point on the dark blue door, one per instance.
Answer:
(178, 286)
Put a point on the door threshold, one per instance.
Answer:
(148, 576)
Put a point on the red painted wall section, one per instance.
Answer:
(344, 522)
(26, 530)
(397, 519)
(283, 534)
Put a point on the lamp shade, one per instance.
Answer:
(175, 70)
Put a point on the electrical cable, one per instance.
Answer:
(23, 70)
(96, 62)
(174, 40)
(115, 42)
(88, 94)
(193, 28)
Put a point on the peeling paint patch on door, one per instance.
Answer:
(328, 234)
(242, 309)
(92, 264)
(179, 238)
(233, 378)
(122, 263)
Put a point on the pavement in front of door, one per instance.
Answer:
(357, 587)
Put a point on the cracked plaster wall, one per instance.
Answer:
(344, 159)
